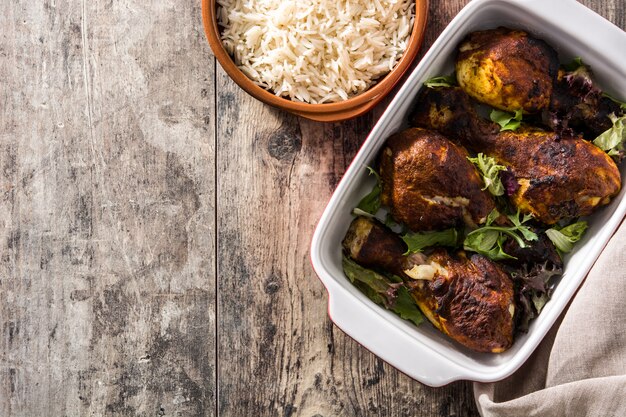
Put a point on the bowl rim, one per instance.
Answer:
(366, 99)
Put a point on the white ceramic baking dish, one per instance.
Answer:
(422, 352)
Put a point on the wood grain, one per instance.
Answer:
(107, 153)
(156, 224)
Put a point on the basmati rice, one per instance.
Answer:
(315, 51)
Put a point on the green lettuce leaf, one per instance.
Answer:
(487, 243)
(491, 217)
(371, 202)
(392, 295)
(442, 81)
(406, 307)
(488, 240)
(385, 291)
(524, 230)
(564, 238)
(506, 120)
(418, 241)
(489, 169)
(612, 140)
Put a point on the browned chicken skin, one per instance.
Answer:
(429, 184)
(473, 303)
(469, 299)
(510, 70)
(507, 69)
(555, 177)
(559, 178)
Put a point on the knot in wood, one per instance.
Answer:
(285, 143)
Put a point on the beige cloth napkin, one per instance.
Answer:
(580, 367)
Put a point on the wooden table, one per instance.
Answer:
(156, 223)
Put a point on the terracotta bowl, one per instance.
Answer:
(328, 112)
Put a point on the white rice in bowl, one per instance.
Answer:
(316, 51)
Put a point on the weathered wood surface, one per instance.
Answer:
(156, 224)
(107, 270)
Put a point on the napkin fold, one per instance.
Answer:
(579, 369)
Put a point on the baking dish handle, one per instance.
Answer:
(393, 345)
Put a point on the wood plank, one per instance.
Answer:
(107, 282)
(278, 352)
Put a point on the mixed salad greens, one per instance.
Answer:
(503, 234)
(534, 283)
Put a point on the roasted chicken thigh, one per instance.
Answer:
(429, 184)
(468, 298)
(507, 69)
(551, 176)
(511, 70)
